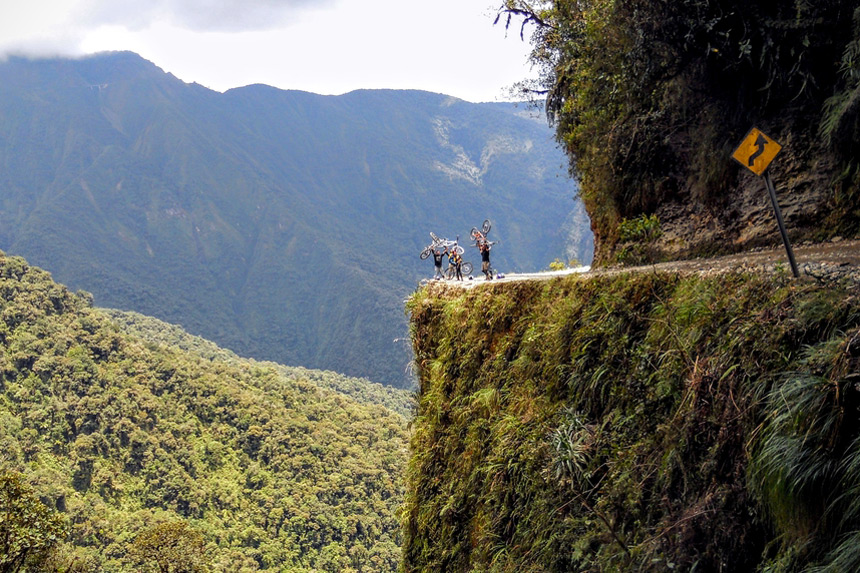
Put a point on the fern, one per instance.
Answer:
(845, 103)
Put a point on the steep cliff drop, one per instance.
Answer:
(638, 421)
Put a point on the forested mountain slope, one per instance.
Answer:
(159, 332)
(282, 225)
(121, 435)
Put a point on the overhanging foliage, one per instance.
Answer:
(649, 96)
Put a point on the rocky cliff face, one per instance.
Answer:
(805, 182)
(650, 100)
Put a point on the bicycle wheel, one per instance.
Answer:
(458, 249)
(466, 268)
(425, 253)
(475, 234)
(486, 226)
(434, 237)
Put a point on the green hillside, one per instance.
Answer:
(362, 390)
(636, 422)
(282, 225)
(130, 440)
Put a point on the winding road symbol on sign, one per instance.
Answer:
(760, 142)
(756, 151)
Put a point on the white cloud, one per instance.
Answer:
(323, 46)
(200, 15)
(39, 27)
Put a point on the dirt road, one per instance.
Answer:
(820, 261)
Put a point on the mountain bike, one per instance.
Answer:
(480, 235)
(431, 247)
(465, 269)
(440, 243)
(480, 238)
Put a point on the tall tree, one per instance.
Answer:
(170, 548)
(28, 528)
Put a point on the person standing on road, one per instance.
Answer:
(452, 265)
(484, 247)
(437, 262)
(457, 261)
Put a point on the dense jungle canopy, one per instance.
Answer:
(123, 438)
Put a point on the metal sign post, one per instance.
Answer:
(755, 153)
(770, 189)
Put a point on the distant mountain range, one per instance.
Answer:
(282, 225)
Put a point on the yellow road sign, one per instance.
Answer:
(756, 151)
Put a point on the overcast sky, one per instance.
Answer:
(321, 46)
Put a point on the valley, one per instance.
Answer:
(283, 225)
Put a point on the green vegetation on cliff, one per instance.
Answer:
(138, 446)
(635, 422)
(650, 97)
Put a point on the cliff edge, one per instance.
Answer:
(636, 421)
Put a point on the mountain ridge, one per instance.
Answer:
(281, 224)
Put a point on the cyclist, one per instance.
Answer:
(456, 262)
(437, 262)
(484, 247)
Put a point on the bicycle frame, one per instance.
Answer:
(440, 243)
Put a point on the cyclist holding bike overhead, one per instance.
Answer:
(484, 247)
(437, 262)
